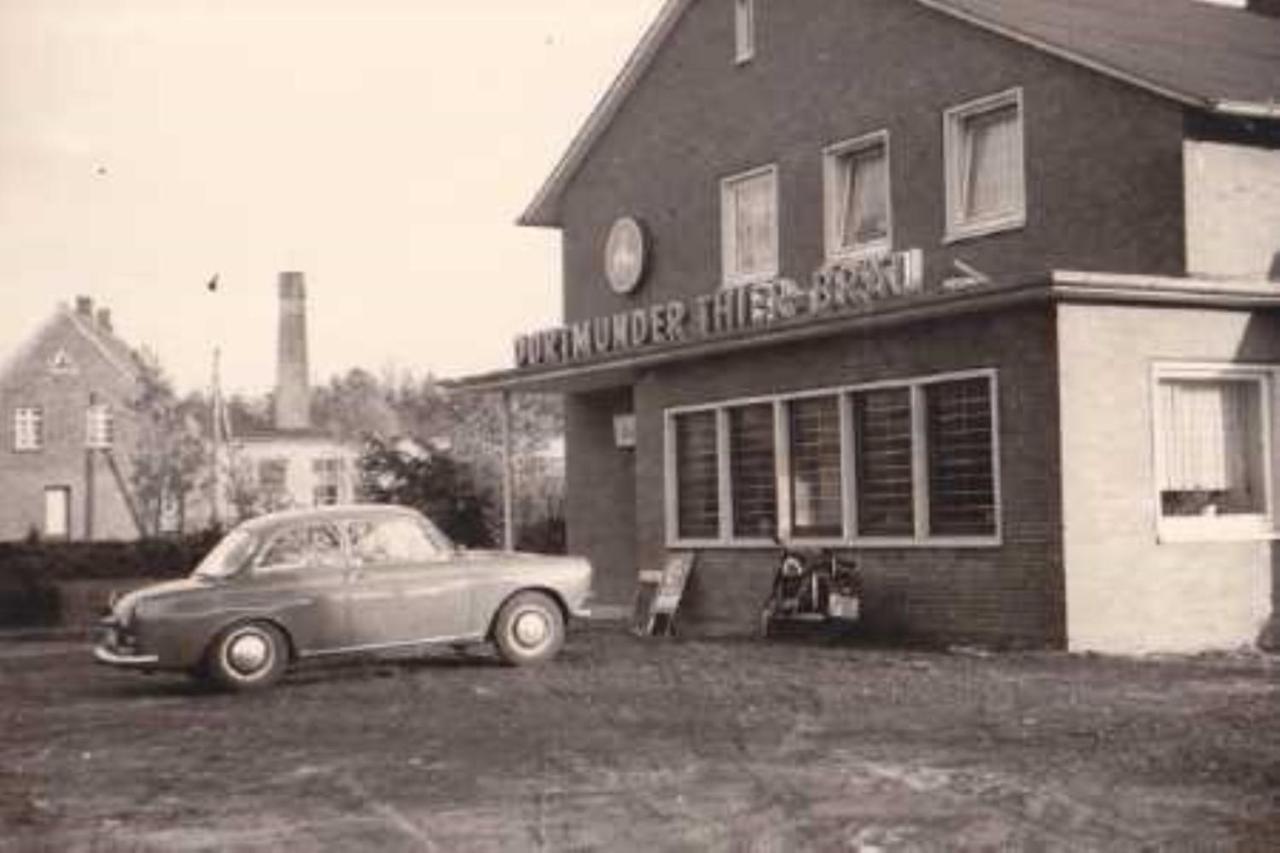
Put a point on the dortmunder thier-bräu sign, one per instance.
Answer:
(837, 287)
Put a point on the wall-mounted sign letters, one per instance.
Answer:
(841, 287)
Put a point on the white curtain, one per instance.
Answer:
(754, 224)
(990, 180)
(864, 208)
(1212, 433)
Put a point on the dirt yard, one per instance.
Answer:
(625, 744)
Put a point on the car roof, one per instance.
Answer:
(338, 512)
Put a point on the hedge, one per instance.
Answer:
(30, 571)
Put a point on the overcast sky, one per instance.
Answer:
(384, 147)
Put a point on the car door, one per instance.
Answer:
(405, 586)
(300, 579)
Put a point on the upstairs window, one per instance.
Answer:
(100, 427)
(986, 189)
(856, 189)
(28, 428)
(744, 30)
(749, 226)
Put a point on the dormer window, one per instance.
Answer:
(744, 29)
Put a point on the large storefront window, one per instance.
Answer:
(697, 464)
(962, 499)
(751, 465)
(1212, 450)
(914, 463)
(886, 504)
(816, 500)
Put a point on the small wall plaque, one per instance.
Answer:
(625, 255)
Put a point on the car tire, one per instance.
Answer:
(529, 629)
(247, 656)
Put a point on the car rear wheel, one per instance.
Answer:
(529, 629)
(249, 656)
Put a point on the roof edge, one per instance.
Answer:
(543, 211)
(1072, 56)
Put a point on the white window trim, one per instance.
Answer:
(99, 427)
(850, 538)
(832, 201)
(1225, 528)
(729, 276)
(36, 417)
(744, 31)
(952, 120)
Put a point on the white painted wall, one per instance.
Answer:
(1233, 208)
(1126, 591)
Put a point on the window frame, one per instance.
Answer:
(958, 226)
(1220, 528)
(850, 536)
(832, 156)
(730, 276)
(34, 426)
(744, 31)
(100, 427)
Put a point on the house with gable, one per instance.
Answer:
(66, 429)
(984, 294)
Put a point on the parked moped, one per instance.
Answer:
(812, 586)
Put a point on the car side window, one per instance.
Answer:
(315, 545)
(392, 541)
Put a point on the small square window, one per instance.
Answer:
(986, 185)
(856, 189)
(749, 226)
(28, 428)
(744, 30)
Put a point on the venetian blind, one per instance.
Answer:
(883, 428)
(815, 466)
(697, 476)
(961, 476)
(751, 461)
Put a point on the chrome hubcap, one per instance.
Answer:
(248, 653)
(531, 629)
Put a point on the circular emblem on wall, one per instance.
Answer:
(625, 255)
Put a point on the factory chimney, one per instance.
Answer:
(293, 382)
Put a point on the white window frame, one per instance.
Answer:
(730, 275)
(99, 427)
(832, 168)
(28, 429)
(958, 227)
(921, 538)
(744, 31)
(1221, 528)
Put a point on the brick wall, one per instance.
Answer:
(1010, 594)
(600, 493)
(1104, 159)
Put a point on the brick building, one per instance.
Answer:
(67, 430)
(982, 291)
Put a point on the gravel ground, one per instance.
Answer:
(627, 744)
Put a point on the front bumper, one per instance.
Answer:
(116, 647)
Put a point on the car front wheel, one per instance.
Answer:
(248, 656)
(529, 629)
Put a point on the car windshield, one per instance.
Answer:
(227, 557)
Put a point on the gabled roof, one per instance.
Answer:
(1215, 58)
(114, 351)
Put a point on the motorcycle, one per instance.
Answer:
(812, 586)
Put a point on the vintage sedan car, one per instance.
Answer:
(305, 583)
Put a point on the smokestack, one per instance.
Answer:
(293, 384)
